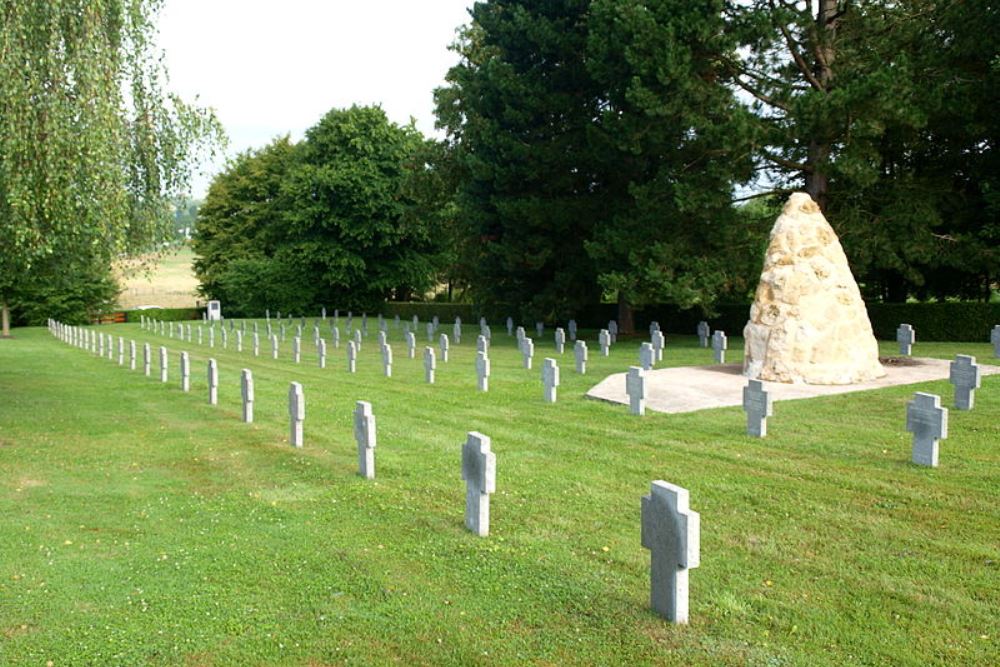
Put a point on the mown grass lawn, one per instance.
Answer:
(140, 525)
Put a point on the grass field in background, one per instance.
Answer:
(140, 525)
(171, 284)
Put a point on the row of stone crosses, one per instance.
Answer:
(669, 528)
(649, 353)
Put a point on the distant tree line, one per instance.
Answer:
(638, 151)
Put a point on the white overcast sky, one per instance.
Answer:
(270, 68)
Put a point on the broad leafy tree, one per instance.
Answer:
(334, 220)
(91, 146)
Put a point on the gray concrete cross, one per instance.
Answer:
(966, 375)
(635, 387)
(928, 422)
(296, 413)
(247, 394)
(479, 470)
(364, 436)
(671, 531)
(906, 337)
(758, 405)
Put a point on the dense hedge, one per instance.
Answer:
(970, 321)
(931, 321)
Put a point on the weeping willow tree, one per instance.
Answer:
(92, 146)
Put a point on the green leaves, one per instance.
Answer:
(325, 222)
(91, 148)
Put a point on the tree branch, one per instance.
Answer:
(797, 57)
(790, 164)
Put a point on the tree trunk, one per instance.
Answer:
(626, 319)
(824, 53)
(5, 316)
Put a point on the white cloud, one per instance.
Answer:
(271, 68)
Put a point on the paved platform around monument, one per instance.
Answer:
(691, 388)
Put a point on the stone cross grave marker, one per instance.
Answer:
(560, 339)
(201, 335)
(520, 334)
(239, 341)
(164, 364)
(613, 330)
(572, 330)
(171, 330)
(111, 348)
(364, 435)
(321, 352)
(185, 372)
(758, 406)
(296, 414)
(281, 331)
(411, 345)
(188, 327)
(430, 364)
(486, 332)
(269, 329)
(995, 339)
(121, 351)
(482, 371)
(646, 356)
(510, 326)
(444, 345)
(719, 346)
(225, 339)
(246, 393)
(672, 533)
(256, 344)
(211, 337)
(528, 352)
(703, 333)
(131, 355)
(100, 346)
(297, 349)
(430, 332)
(456, 331)
(382, 339)
(395, 321)
(322, 312)
(336, 337)
(146, 359)
(416, 322)
(387, 360)
(352, 356)
(658, 342)
(539, 329)
(436, 322)
(213, 382)
(274, 346)
(906, 337)
(364, 323)
(550, 379)
(635, 387)
(966, 375)
(581, 354)
(928, 422)
(357, 339)
(604, 338)
(482, 322)
(316, 335)
(479, 470)
(654, 326)
(482, 345)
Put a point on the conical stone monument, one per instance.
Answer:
(808, 323)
